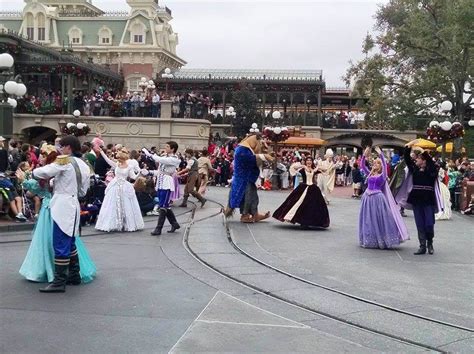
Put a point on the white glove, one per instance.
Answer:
(146, 152)
(144, 172)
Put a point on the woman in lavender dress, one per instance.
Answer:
(380, 223)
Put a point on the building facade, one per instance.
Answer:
(138, 43)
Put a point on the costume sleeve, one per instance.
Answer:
(47, 171)
(363, 166)
(109, 161)
(408, 160)
(167, 160)
(131, 173)
(430, 166)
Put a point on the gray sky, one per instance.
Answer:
(266, 34)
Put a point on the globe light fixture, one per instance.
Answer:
(434, 123)
(76, 113)
(471, 123)
(254, 125)
(276, 115)
(446, 106)
(21, 89)
(6, 61)
(446, 125)
(277, 130)
(12, 102)
(167, 71)
(10, 87)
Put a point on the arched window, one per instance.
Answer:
(30, 26)
(105, 36)
(137, 33)
(41, 27)
(75, 35)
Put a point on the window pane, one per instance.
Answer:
(41, 34)
(30, 32)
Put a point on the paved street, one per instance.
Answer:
(272, 287)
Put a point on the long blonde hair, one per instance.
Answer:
(372, 171)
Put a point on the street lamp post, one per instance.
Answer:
(308, 103)
(8, 87)
(276, 134)
(230, 112)
(167, 75)
(446, 130)
(143, 84)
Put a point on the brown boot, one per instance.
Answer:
(247, 218)
(260, 217)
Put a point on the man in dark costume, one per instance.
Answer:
(243, 191)
(422, 196)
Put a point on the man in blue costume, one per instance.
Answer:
(71, 181)
(243, 191)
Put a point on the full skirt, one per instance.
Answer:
(305, 206)
(377, 226)
(120, 210)
(38, 265)
(446, 213)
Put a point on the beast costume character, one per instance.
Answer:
(243, 191)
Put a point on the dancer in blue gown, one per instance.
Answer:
(38, 265)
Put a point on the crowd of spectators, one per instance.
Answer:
(102, 102)
(18, 159)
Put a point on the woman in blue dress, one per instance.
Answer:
(38, 265)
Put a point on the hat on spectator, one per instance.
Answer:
(2, 138)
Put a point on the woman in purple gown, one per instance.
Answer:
(380, 223)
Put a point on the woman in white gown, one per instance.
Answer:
(444, 214)
(120, 210)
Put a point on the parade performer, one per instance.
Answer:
(445, 195)
(165, 185)
(71, 181)
(120, 210)
(327, 177)
(398, 177)
(243, 191)
(38, 265)
(205, 168)
(192, 182)
(380, 222)
(422, 190)
(305, 205)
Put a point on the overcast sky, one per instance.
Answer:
(266, 34)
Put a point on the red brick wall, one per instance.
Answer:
(141, 69)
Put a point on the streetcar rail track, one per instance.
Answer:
(316, 285)
(95, 234)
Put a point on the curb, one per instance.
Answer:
(17, 227)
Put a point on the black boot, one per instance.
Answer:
(184, 203)
(172, 220)
(199, 197)
(161, 222)
(60, 275)
(429, 237)
(422, 239)
(74, 277)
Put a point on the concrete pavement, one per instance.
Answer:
(152, 296)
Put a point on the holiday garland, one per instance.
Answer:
(77, 130)
(276, 134)
(436, 133)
